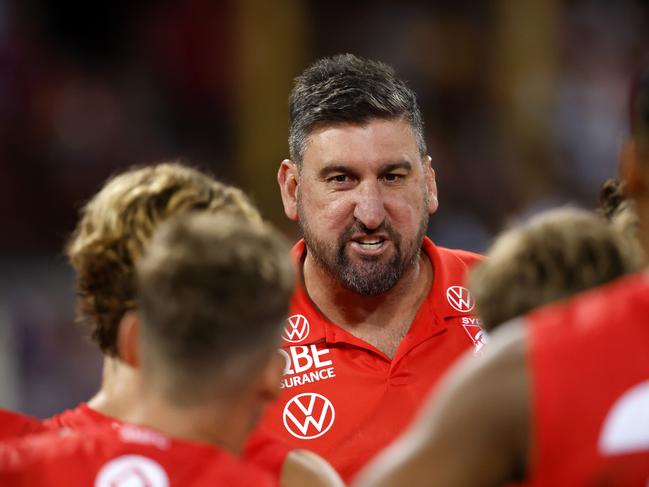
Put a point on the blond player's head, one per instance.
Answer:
(557, 254)
(117, 224)
(213, 294)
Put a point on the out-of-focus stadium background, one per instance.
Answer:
(524, 101)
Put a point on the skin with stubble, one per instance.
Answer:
(370, 252)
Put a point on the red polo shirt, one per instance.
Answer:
(343, 398)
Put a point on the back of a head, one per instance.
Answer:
(118, 222)
(348, 89)
(557, 254)
(213, 294)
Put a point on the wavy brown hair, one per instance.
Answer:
(556, 254)
(116, 225)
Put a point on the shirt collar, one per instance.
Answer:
(447, 288)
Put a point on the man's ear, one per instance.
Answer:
(272, 377)
(631, 168)
(288, 179)
(128, 339)
(431, 185)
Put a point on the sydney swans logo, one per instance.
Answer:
(308, 415)
(296, 329)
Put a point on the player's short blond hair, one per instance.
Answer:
(213, 294)
(117, 224)
(555, 255)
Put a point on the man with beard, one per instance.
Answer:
(380, 311)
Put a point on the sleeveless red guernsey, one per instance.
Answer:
(589, 363)
(261, 450)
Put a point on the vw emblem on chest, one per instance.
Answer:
(296, 329)
(308, 415)
(460, 299)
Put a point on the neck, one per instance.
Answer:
(225, 424)
(368, 317)
(124, 396)
(119, 389)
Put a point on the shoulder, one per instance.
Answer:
(14, 424)
(625, 297)
(452, 256)
(45, 450)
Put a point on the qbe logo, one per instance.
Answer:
(308, 415)
(460, 299)
(132, 471)
(297, 329)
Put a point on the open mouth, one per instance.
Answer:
(370, 242)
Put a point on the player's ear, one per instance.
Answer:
(431, 185)
(128, 338)
(631, 168)
(272, 377)
(288, 178)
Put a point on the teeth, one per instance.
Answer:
(371, 243)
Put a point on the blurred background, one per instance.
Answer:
(524, 102)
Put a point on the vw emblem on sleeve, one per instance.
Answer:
(132, 471)
(297, 329)
(460, 299)
(308, 415)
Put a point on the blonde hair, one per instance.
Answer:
(557, 254)
(213, 293)
(117, 224)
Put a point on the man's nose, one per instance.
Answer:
(369, 209)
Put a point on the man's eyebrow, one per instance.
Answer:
(345, 169)
(333, 168)
(391, 166)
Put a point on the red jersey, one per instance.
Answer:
(262, 450)
(589, 369)
(112, 456)
(343, 398)
(14, 424)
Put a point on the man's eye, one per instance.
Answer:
(339, 178)
(392, 177)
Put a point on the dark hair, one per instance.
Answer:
(346, 88)
(213, 293)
